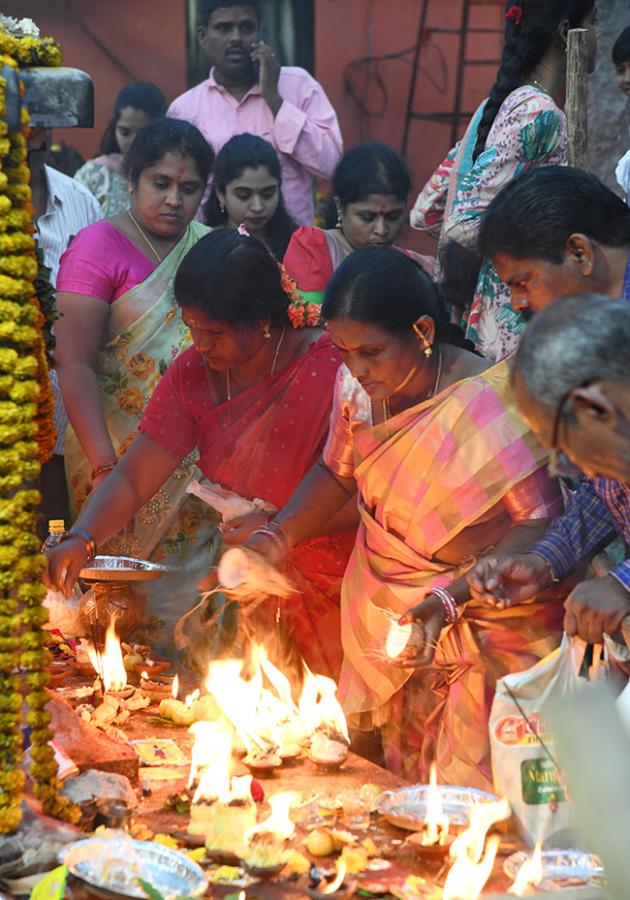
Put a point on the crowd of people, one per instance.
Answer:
(419, 453)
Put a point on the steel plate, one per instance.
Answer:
(114, 864)
(561, 864)
(122, 568)
(407, 807)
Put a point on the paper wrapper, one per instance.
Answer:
(229, 504)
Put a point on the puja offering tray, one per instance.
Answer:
(407, 807)
(112, 593)
(562, 870)
(117, 864)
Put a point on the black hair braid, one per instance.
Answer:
(520, 56)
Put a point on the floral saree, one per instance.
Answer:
(424, 476)
(145, 333)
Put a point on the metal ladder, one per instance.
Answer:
(455, 115)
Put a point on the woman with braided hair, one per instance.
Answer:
(520, 125)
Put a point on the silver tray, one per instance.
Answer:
(122, 568)
(168, 871)
(407, 807)
(561, 864)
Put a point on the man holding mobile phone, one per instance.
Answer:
(248, 91)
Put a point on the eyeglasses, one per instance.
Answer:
(560, 466)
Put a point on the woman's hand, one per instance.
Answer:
(239, 529)
(429, 619)
(503, 581)
(64, 562)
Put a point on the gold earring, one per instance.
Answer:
(221, 206)
(266, 332)
(338, 223)
(426, 343)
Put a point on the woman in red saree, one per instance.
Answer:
(253, 396)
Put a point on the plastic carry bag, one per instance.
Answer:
(64, 612)
(524, 751)
(227, 503)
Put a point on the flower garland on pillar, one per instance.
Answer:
(26, 441)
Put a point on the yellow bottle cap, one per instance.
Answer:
(56, 526)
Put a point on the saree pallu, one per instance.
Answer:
(261, 444)
(145, 333)
(423, 477)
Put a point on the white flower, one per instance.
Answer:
(19, 28)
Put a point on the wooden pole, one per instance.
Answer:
(577, 97)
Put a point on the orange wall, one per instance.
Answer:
(143, 40)
(348, 30)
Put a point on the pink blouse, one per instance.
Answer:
(536, 497)
(102, 262)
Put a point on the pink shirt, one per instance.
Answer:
(305, 131)
(102, 262)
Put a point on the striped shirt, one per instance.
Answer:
(598, 511)
(70, 208)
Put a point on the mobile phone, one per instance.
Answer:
(257, 64)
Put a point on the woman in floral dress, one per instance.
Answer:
(520, 125)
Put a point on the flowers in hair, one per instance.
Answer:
(242, 230)
(515, 14)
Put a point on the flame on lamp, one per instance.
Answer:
(278, 823)
(336, 883)
(110, 666)
(474, 856)
(530, 873)
(175, 687)
(466, 880)
(436, 821)
(190, 698)
(211, 760)
(261, 707)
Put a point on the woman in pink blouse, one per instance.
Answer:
(120, 328)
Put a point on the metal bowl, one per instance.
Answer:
(558, 865)
(168, 871)
(407, 807)
(122, 568)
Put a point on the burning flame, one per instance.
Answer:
(109, 665)
(472, 866)
(190, 698)
(530, 873)
(466, 880)
(175, 687)
(261, 708)
(278, 823)
(211, 760)
(336, 883)
(436, 822)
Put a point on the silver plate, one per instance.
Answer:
(122, 568)
(407, 807)
(560, 864)
(168, 871)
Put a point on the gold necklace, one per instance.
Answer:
(273, 364)
(540, 86)
(386, 409)
(141, 230)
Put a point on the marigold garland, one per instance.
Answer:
(26, 441)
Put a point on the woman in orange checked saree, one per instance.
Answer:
(252, 396)
(445, 469)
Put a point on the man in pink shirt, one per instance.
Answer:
(248, 91)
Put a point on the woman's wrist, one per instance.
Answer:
(103, 469)
(275, 533)
(452, 610)
(88, 541)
